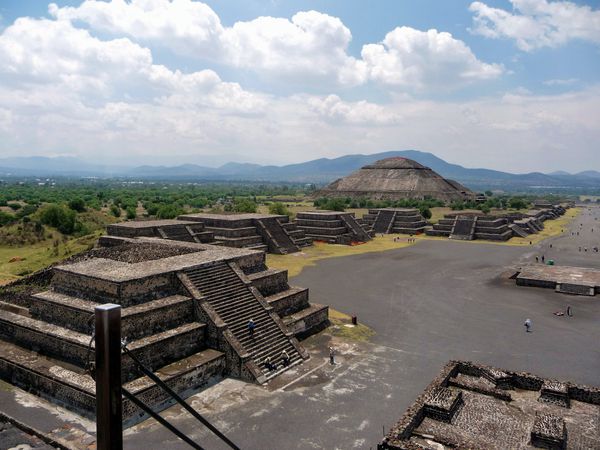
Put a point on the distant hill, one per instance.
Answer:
(320, 171)
(589, 173)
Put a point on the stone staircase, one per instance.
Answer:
(275, 236)
(45, 348)
(518, 231)
(297, 235)
(384, 221)
(464, 228)
(355, 228)
(235, 304)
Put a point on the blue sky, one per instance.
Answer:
(511, 85)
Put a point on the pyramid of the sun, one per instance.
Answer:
(395, 179)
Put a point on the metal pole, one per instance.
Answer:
(109, 414)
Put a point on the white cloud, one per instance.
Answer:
(310, 44)
(535, 24)
(414, 58)
(310, 48)
(58, 58)
(333, 108)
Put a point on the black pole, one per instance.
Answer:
(109, 413)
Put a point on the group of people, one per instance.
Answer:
(285, 361)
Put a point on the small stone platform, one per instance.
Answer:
(462, 408)
(268, 232)
(185, 310)
(564, 279)
(333, 227)
(177, 230)
(395, 220)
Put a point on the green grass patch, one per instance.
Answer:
(341, 327)
(295, 262)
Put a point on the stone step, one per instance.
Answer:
(260, 339)
(69, 387)
(168, 346)
(227, 314)
(261, 247)
(323, 230)
(75, 348)
(136, 321)
(47, 339)
(240, 242)
(48, 378)
(304, 242)
(307, 321)
(289, 300)
(261, 323)
(185, 377)
(280, 369)
(233, 232)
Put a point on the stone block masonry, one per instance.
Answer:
(272, 233)
(480, 407)
(332, 227)
(395, 220)
(185, 310)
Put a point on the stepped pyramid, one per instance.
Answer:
(185, 309)
(395, 179)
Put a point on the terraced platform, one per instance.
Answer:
(185, 309)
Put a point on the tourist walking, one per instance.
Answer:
(331, 356)
(251, 326)
(537, 259)
(569, 311)
(527, 325)
(543, 259)
(285, 359)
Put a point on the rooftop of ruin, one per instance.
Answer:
(480, 407)
(149, 256)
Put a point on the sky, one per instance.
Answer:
(511, 85)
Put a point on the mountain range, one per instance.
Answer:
(319, 171)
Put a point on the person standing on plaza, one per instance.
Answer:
(331, 355)
(527, 325)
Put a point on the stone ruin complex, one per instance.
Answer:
(271, 233)
(396, 179)
(185, 312)
(395, 220)
(483, 408)
(468, 226)
(332, 227)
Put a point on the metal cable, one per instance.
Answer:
(179, 400)
(159, 419)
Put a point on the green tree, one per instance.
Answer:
(279, 209)
(59, 217)
(244, 205)
(77, 204)
(169, 211)
(6, 218)
(131, 213)
(115, 210)
(517, 203)
(425, 212)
